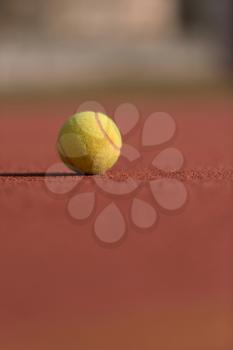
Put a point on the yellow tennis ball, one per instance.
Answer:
(89, 142)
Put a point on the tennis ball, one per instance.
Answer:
(89, 142)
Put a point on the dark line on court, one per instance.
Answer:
(40, 174)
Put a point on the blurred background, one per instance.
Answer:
(48, 44)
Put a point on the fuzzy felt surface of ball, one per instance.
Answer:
(89, 143)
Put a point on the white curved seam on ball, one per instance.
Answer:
(104, 132)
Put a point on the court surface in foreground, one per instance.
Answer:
(82, 268)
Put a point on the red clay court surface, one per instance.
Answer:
(166, 288)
